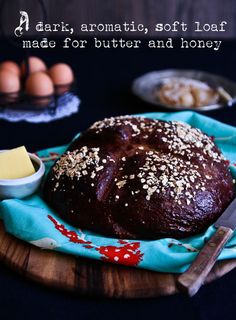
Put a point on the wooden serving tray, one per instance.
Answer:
(90, 277)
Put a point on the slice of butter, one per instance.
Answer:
(15, 164)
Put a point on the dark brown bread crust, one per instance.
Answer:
(137, 178)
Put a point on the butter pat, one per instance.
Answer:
(15, 164)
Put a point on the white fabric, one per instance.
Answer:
(68, 104)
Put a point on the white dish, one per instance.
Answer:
(23, 187)
(145, 87)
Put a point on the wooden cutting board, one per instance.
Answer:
(90, 277)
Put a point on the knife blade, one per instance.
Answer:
(191, 280)
(228, 218)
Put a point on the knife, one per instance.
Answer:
(191, 280)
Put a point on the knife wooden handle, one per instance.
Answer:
(191, 280)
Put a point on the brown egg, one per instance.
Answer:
(62, 77)
(39, 84)
(35, 65)
(9, 87)
(9, 82)
(11, 66)
(40, 87)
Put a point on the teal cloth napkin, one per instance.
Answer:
(31, 220)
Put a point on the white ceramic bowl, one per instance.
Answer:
(23, 187)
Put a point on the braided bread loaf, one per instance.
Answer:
(137, 178)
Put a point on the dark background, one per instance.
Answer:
(148, 12)
(104, 80)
